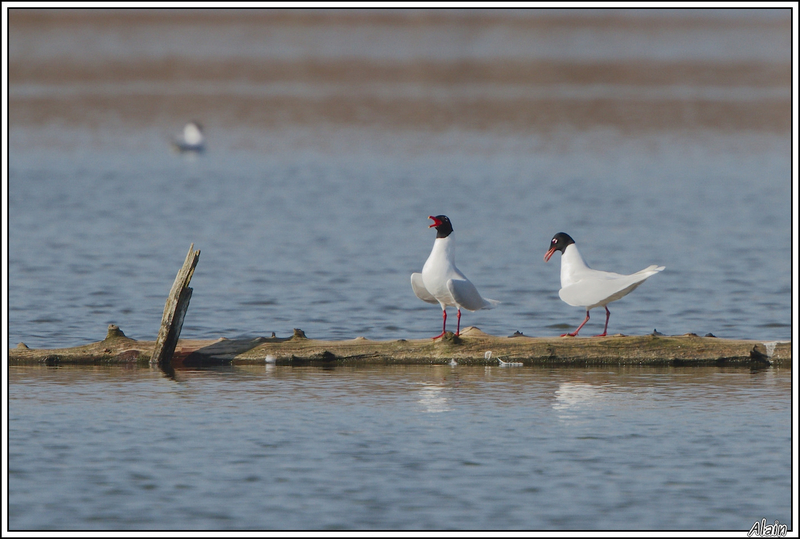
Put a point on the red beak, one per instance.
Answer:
(436, 222)
(549, 253)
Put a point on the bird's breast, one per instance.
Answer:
(573, 268)
(439, 268)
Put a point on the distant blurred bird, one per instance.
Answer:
(192, 139)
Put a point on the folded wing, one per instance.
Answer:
(601, 288)
(419, 288)
(466, 295)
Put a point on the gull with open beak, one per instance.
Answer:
(441, 281)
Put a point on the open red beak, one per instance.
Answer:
(549, 253)
(436, 222)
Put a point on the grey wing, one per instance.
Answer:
(603, 288)
(466, 295)
(419, 288)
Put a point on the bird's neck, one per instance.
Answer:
(444, 249)
(572, 265)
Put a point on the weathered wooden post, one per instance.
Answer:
(174, 311)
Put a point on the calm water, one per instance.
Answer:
(652, 137)
(661, 140)
(327, 243)
(399, 448)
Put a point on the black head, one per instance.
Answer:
(559, 242)
(442, 225)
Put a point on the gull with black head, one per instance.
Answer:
(584, 287)
(441, 281)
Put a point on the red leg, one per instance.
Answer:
(458, 324)
(444, 324)
(605, 329)
(575, 333)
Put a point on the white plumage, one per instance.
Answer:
(582, 286)
(441, 281)
(192, 140)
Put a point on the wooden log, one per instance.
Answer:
(468, 349)
(115, 348)
(174, 312)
